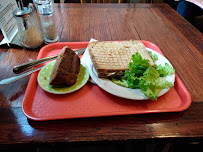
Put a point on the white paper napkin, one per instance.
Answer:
(86, 59)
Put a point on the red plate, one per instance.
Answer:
(92, 101)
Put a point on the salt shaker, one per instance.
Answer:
(45, 10)
(29, 31)
(36, 15)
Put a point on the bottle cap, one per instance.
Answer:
(25, 12)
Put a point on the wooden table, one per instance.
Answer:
(180, 42)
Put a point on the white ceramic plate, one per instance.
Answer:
(128, 93)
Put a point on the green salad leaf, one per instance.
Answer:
(139, 65)
(153, 56)
(141, 75)
(151, 83)
(164, 70)
(120, 82)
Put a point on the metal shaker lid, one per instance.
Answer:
(25, 12)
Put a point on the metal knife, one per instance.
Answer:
(22, 67)
(12, 79)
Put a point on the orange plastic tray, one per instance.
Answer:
(92, 101)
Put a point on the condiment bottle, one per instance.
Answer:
(36, 15)
(49, 28)
(29, 31)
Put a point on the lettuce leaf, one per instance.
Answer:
(139, 65)
(164, 70)
(153, 56)
(143, 76)
(120, 82)
(151, 83)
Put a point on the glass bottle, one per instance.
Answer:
(49, 28)
(29, 32)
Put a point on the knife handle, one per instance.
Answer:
(22, 67)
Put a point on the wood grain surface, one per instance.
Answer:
(180, 42)
(169, 127)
